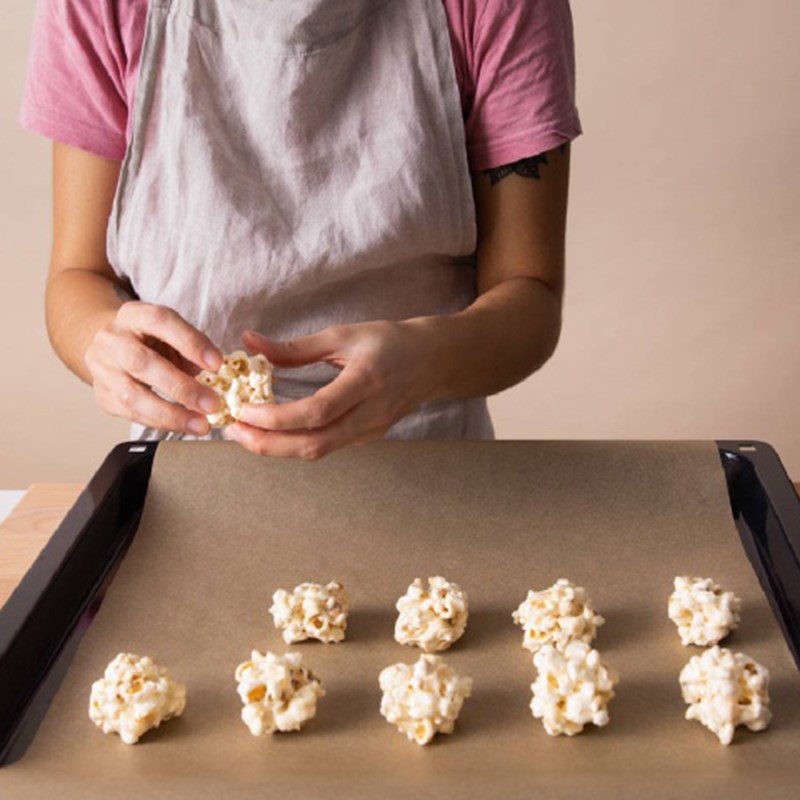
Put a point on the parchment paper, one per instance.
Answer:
(222, 530)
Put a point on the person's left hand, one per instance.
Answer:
(387, 370)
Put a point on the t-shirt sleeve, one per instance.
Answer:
(523, 70)
(74, 90)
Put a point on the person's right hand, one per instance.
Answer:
(148, 347)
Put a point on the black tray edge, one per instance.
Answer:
(42, 622)
(766, 510)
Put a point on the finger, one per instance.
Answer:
(327, 404)
(297, 352)
(147, 366)
(358, 425)
(136, 402)
(170, 327)
(173, 356)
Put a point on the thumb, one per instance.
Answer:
(294, 353)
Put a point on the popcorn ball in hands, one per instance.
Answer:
(241, 379)
(573, 688)
(703, 612)
(133, 696)
(278, 692)
(725, 689)
(431, 617)
(557, 616)
(424, 698)
(311, 611)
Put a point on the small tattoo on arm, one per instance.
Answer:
(526, 167)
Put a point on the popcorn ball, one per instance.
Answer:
(725, 689)
(278, 692)
(431, 618)
(424, 698)
(557, 616)
(573, 688)
(241, 379)
(311, 611)
(133, 696)
(703, 612)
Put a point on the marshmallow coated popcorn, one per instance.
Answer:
(572, 688)
(424, 698)
(311, 611)
(703, 612)
(431, 618)
(557, 616)
(278, 692)
(133, 696)
(241, 379)
(725, 689)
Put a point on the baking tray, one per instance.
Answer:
(43, 621)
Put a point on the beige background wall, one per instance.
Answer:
(682, 315)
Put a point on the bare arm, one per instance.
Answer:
(121, 347)
(512, 329)
(80, 277)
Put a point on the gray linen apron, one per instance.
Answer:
(295, 164)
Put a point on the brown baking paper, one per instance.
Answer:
(222, 530)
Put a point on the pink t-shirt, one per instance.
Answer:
(514, 62)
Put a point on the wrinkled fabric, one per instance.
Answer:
(297, 165)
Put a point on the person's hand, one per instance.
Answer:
(387, 370)
(146, 347)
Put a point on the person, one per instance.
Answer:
(371, 193)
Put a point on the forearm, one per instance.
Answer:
(507, 334)
(78, 303)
